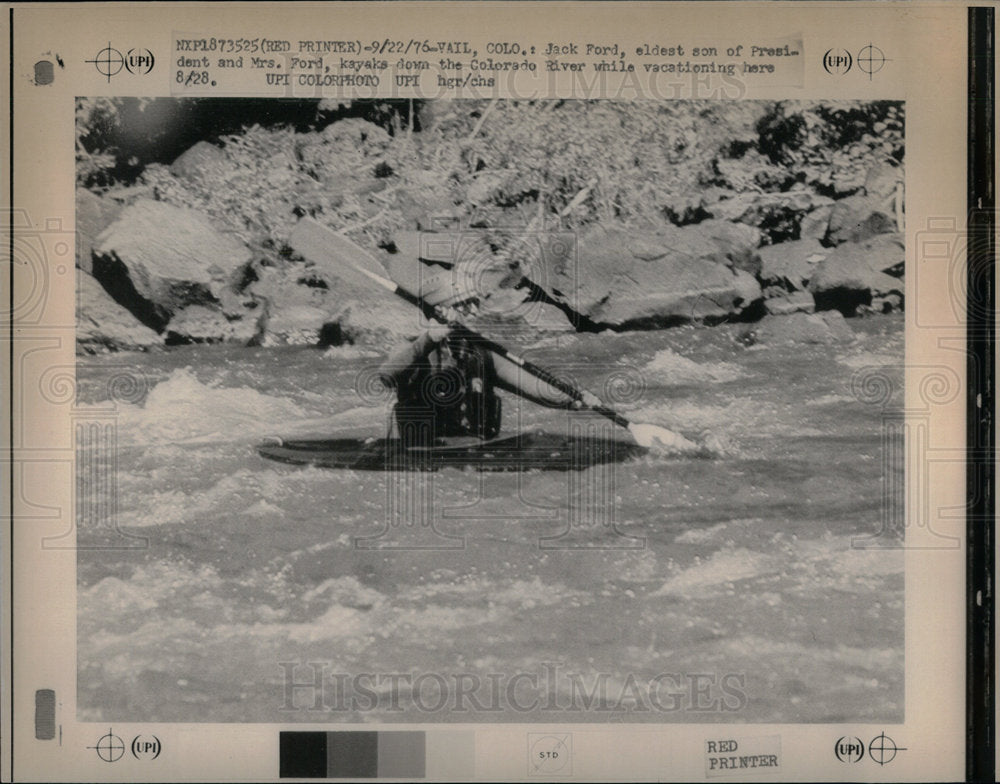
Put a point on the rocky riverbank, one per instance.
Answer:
(180, 255)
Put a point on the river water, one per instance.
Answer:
(756, 584)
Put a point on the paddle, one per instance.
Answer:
(319, 244)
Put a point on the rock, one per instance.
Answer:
(808, 328)
(857, 218)
(626, 280)
(93, 215)
(752, 171)
(483, 188)
(718, 241)
(889, 303)
(882, 180)
(440, 247)
(201, 324)
(510, 312)
(688, 205)
(464, 255)
(778, 214)
(306, 305)
(357, 133)
(790, 264)
(847, 175)
(104, 325)
(854, 273)
(504, 303)
(738, 243)
(293, 325)
(357, 323)
(780, 302)
(426, 209)
(156, 259)
(816, 223)
(544, 319)
(295, 304)
(194, 163)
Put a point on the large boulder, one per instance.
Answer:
(855, 275)
(292, 325)
(294, 302)
(199, 162)
(93, 215)
(512, 313)
(306, 305)
(357, 322)
(790, 265)
(156, 259)
(858, 218)
(423, 254)
(737, 243)
(628, 280)
(104, 325)
(504, 310)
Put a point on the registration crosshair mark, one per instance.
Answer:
(110, 747)
(883, 749)
(871, 59)
(109, 61)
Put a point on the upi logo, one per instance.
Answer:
(849, 749)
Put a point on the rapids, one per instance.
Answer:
(753, 580)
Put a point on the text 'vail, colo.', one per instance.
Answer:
(425, 66)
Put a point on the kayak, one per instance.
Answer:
(526, 451)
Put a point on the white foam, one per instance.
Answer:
(662, 441)
(349, 352)
(871, 359)
(725, 566)
(674, 368)
(183, 409)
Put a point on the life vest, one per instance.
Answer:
(451, 392)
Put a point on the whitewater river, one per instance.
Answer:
(755, 584)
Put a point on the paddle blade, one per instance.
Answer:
(661, 440)
(334, 255)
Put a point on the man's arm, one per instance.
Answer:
(513, 379)
(404, 356)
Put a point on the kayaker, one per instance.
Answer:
(446, 384)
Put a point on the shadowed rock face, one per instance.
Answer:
(156, 259)
(104, 325)
(93, 215)
(854, 274)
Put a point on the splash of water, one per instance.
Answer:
(662, 440)
(182, 409)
